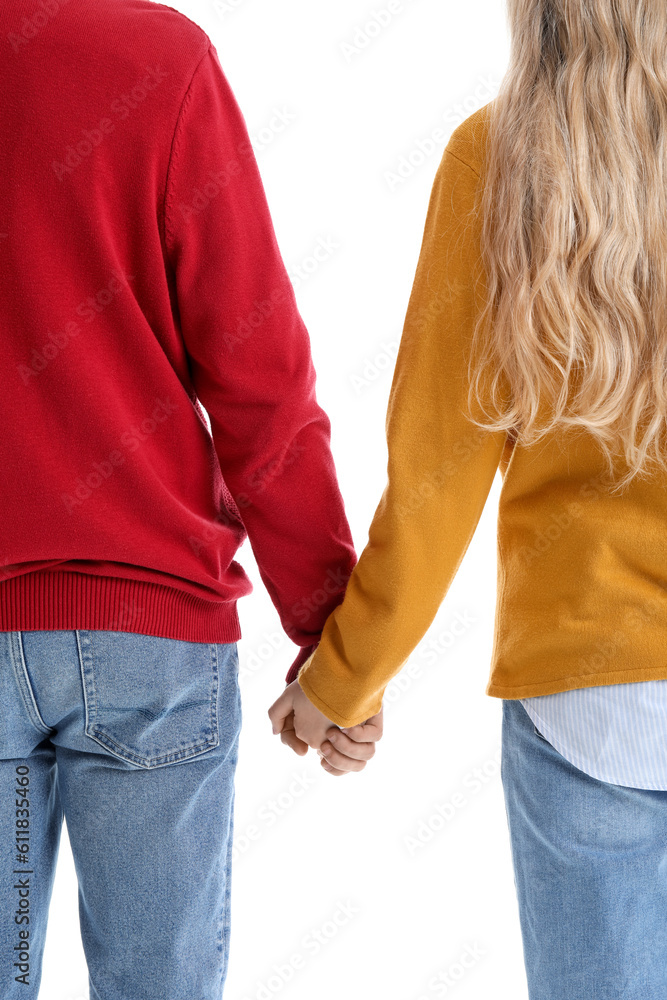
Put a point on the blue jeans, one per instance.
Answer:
(134, 739)
(590, 869)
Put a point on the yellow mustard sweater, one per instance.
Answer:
(582, 588)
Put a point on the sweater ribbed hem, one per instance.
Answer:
(531, 689)
(46, 600)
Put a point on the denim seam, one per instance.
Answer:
(225, 915)
(25, 686)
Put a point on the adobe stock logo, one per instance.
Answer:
(130, 441)
(31, 26)
(366, 33)
(120, 108)
(60, 338)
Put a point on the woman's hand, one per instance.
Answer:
(302, 725)
(349, 749)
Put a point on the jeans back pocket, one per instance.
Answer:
(150, 700)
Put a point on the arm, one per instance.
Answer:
(250, 360)
(440, 470)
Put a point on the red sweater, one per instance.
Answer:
(142, 280)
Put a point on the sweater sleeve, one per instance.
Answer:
(439, 473)
(250, 360)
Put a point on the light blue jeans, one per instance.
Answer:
(133, 738)
(590, 869)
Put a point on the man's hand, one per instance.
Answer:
(302, 725)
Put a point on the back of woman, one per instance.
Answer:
(535, 344)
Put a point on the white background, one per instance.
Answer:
(331, 120)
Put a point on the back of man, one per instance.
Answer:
(141, 275)
(141, 286)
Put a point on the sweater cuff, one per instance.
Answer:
(304, 654)
(355, 703)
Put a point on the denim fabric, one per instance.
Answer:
(134, 739)
(590, 869)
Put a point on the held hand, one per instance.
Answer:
(302, 725)
(349, 750)
(299, 722)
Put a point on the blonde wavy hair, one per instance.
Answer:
(574, 232)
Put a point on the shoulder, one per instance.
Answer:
(142, 29)
(181, 28)
(468, 140)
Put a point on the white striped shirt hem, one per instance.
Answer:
(615, 732)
